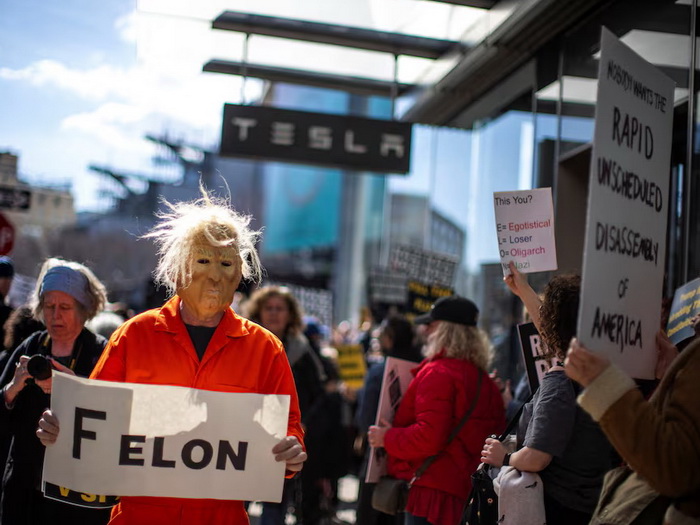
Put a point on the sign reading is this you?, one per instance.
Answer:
(625, 244)
(154, 440)
(525, 227)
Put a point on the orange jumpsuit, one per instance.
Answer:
(155, 348)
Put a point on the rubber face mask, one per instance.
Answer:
(216, 273)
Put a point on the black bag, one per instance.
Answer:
(482, 504)
(482, 507)
(390, 495)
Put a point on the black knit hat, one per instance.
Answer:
(7, 269)
(454, 309)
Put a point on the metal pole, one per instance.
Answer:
(688, 171)
(244, 68)
(395, 87)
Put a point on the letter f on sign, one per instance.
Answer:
(79, 433)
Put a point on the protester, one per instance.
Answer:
(396, 340)
(555, 437)
(275, 308)
(438, 397)
(333, 423)
(66, 296)
(7, 273)
(20, 325)
(105, 323)
(196, 340)
(658, 439)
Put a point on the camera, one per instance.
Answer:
(39, 367)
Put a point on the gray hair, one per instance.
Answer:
(460, 342)
(96, 292)
(207, 219)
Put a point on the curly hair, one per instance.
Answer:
(460, 342)
(559, 313)
(257, 301)
(96, 291)
(207, 219)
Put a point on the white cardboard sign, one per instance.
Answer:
(397, 377)
(525, 226)
(625, 244)
(153, 440)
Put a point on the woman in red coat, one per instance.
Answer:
(442, 391)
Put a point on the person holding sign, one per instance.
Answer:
(66, 296)
(658, 439)
(556, 438)
(275, 308)
(445, 387)
(196, 340)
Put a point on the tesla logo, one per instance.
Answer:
(316, 138)
(319, 137)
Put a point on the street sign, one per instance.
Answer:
(14, 198)
(7, 235)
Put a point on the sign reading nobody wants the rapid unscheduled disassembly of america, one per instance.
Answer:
(154, 440)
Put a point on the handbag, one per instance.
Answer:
(520, 497)
(391, 494)
(482, 503)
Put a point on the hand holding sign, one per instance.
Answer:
(291, 452)
(582, 365)
(48, 428)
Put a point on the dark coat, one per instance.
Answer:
(22, 480)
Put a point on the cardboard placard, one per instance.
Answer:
(686, 305)
(525, 226)
(154, 440)
(397, 376)
(625, 244)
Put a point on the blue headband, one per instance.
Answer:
(67, 280)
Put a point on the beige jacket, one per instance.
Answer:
(659, 440)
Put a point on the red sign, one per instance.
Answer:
(7, 235)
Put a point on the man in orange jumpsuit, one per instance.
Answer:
(196, 340)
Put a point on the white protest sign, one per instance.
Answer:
(153, 440)
(625, 245)
(397, 376)
(525, 226)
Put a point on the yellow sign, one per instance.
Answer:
(351, 362)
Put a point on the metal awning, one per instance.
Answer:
(339, 35)
(358, 85)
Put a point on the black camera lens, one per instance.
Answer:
(39, 367)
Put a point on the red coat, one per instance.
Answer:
(436, 400)
(155, 348)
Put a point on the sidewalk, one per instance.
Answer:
(347, 493)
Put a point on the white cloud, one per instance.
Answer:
(97, 83)
(126, 26)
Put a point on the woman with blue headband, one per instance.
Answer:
(66, 296)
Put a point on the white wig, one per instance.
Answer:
(205, 220)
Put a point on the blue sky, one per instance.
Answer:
(78, 86)
(40, 42)
(82, 81)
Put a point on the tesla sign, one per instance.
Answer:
(338, 141)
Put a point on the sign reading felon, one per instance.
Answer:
(338, 141)
(132, 439)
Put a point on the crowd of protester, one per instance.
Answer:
(605, 451)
